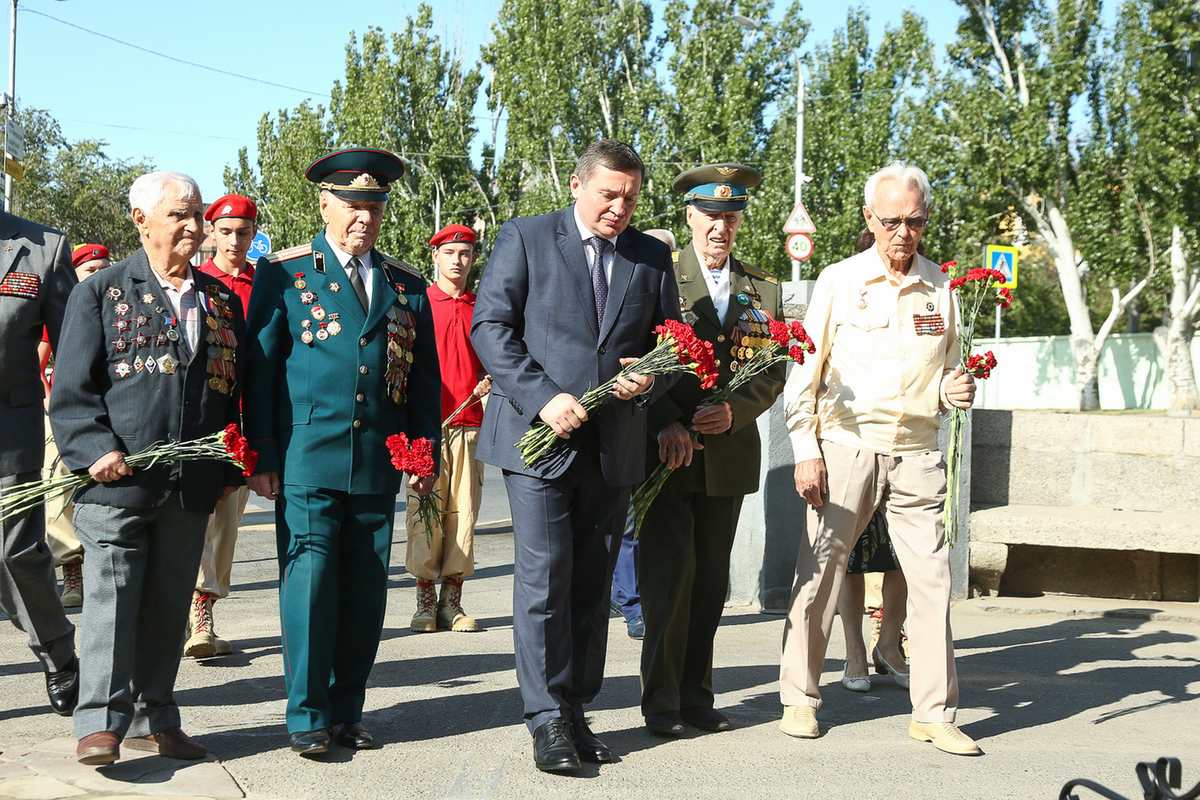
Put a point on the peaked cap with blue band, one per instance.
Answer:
(717, 187)
(356, 173)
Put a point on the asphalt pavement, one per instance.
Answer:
(1053, 688)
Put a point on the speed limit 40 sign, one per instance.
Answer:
(799, 246)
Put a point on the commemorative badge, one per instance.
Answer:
(123, 369)
(138, 364)
(318, 312)
(690, 317)
(167, 364)
(151, 364)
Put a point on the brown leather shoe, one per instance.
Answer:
(98, 749)
(171, 743)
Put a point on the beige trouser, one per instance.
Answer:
(450, 554)
(60, 532)
(216, 563)
(913, 488)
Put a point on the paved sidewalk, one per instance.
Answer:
(1053, 689)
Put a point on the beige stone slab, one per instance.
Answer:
(1040, 477)
(10, 769)
(1191, 437)
(37, 787)
(1142, 484)
(1136, 434)
(1091, 528)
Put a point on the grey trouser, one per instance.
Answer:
(139, 567)
(28, 589)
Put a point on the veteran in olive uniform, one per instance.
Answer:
(342, 356)
(687, 534)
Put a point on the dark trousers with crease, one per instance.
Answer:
(685, 543)
(566, 533)
(334, 550)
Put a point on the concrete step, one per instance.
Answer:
(1091, 528)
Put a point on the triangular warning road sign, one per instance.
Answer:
(799, 221)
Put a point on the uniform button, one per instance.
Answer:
(717, 363)
(360, 397)
(601, 351)
(721, 338)
(358, 423)
(362, 342)
(363, 369)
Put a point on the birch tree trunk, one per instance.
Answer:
(1174, 339)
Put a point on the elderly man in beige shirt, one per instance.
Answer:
(863, 415)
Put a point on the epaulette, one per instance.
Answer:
(398, 264)
(758, 273)
(674, 256)
(290, 253)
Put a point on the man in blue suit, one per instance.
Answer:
(342, 357)
(566, 300)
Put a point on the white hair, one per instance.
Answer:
(150, 189)
(910, 176)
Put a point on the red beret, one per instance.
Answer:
(88, 252)
(451, 234)
(232, 205)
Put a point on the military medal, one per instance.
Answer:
(403, 300)
(334, 327)
(212, 323)
(322, 334)
(121, 325)
(142, 320)
(142, 340)
(120, 345)
(173, 335)
(151, 364)
(138, 364)
(121, 308)
(306, 337)
(147, 298)
(862, 299)
(929, 306)
(161, 339)
(167, 365)
(114, 293)
(743, 299)
(335, 287)
(318, 312)
(690, 317)
(307, 297)
(299, 282)
(122, 369)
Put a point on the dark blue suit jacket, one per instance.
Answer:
(98, 406)
(535, 331)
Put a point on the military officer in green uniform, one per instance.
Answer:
(342, 356)
(688, 532)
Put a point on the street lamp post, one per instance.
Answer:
(757, 25)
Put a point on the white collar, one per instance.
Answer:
(586, 234)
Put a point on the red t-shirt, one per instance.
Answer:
(238, 284)
(461, 368)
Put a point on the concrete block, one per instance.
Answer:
(992, 428)
(1059, 431)
(1136, 434)
(1142, 484)
(1191, 437)
(1088, 528)
(988, 560)
(1025, 476)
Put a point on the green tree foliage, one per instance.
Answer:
(75, 187)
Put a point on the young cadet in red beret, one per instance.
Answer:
(233, 220)
(449, 554)
(60, 533)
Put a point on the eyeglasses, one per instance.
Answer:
(913, 223)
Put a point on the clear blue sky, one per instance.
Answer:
(193, 120)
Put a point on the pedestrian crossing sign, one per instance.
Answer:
(1004, 258)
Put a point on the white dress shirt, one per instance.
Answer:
(609, 254)
(718, 284)
(183, 303)
(364, 270)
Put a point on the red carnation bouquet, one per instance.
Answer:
(679, 349)
(416, 458)
(227, 446)
(788, 343)
(977, 289)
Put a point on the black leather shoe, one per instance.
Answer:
(614, 609)
(62, 687)
(352, 735)
(636, 627)
(588, 744)
(706, 719)
(666, 723)
(552, 748)
(311, 743)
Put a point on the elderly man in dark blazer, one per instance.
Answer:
(560, 310)
(149, 355)
(35, 279)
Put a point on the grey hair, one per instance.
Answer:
(664, 236)
(908, 175)
(150, 189)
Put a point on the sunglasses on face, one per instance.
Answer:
(892, 223)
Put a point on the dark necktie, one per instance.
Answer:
(599, 279)
(356, 282)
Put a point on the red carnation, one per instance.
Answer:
(1004, 297)
(780, 332)
(949, 265)
(397, 445)
(420, 459)
(239, 449)
(796, 353)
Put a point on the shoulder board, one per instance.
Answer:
(401, 265)
(755, 272)
(674, 256)
(290, 253)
